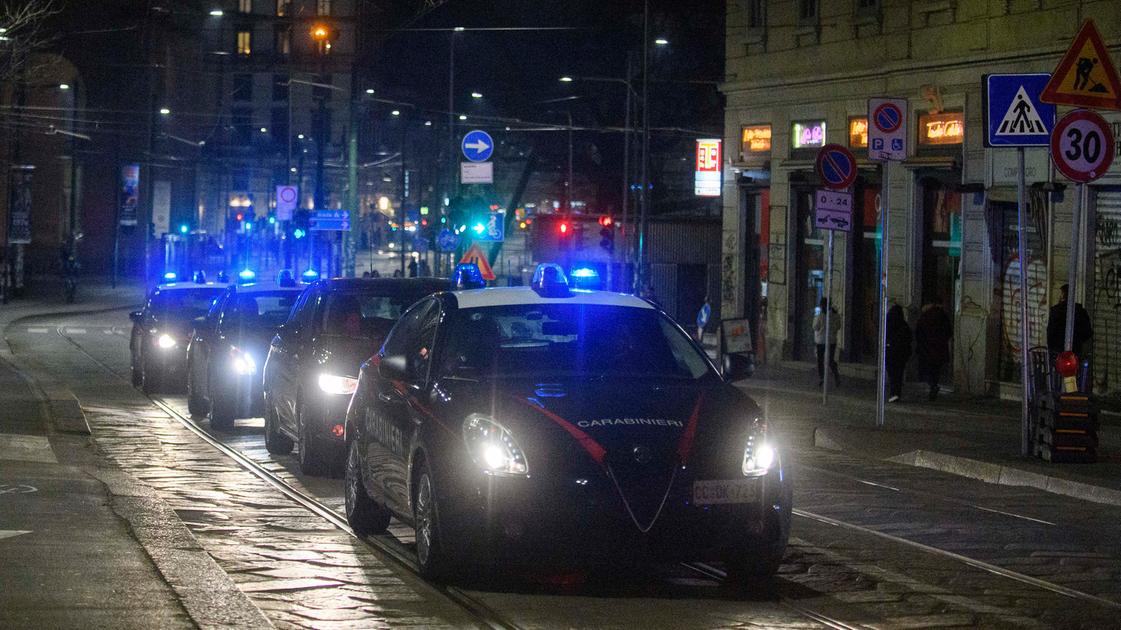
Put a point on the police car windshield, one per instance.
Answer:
(265, 310)
(359, 315)
(184, 303)
(571, 339)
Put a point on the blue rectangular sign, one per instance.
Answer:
(330, 220)
(1014, 115)
(491, 228)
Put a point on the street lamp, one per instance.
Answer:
(165, 111)
(216, 13)
(476, 95)
(661, 41)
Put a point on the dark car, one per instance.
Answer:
(313, 361)
(553, 428)
(162, 329)
(228, 349)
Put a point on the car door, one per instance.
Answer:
(285, 355)
(201, 347)
(396, 417)
(136, 336)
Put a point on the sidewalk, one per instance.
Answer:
(964, 435)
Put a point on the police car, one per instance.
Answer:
(550, 427)
(162, 329)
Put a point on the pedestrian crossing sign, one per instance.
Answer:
(1085, 77)
(1014, 115)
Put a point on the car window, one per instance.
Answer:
(184, 304)
(215, 311)
(360, 314)
(413, 336)
(303, 309)
(570, 339)
(260, 311)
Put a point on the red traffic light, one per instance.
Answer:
(563, 228)
(606, 221)
(240, 216)
(1067, 364)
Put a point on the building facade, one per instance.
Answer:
(799, 75)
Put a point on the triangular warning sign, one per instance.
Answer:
(1085, 76)
(476, 255)
(1021, 119)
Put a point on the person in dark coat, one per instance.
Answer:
(933, 332)
(898, 350)
(1056, 326)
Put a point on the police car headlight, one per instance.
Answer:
(759, 455)
(166, 341)
(341, 385)
(493, 447)
(242, 363)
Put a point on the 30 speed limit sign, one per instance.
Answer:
(1082, 146)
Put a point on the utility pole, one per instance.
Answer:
(452, 189)
(640, 271)
(350, 238)
(623, 226)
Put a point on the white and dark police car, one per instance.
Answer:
(546, 427)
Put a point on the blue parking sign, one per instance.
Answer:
(1014, 115)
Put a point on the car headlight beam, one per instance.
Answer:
(242, 363)
(493, 447)
(340, 385)
(166, 341)
(759, 455)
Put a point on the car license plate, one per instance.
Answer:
(719, 491)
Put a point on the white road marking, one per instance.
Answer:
(38, 331)
(1026, 518)
(12, 533)
(878, 485)
(109, 331)
(27, 448)
(76, 331)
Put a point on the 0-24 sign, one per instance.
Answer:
(1082, 146)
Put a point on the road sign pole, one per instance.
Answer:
(1025, 381)
(1072, 272)
(828, 307)
(885, 212)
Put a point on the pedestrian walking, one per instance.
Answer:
(1057, 321)
(412, 267)
(898, 350)
(933, 332)
(424, 270)
(819, 339)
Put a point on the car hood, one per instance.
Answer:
(638, 433)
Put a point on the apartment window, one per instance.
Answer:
(243, 87)
(807, 11)
(242, 119)
(283, 41)
(282, 8)
(279, 87)
(755, 13)
(245, 6)
(867, 6)
(244, 42)
(279, 123)
(323, 7)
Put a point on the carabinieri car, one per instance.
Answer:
(548, 427)
(162, 329)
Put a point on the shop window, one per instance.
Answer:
(941, 129)
(858, 132)
(808, 135)
(755, 139)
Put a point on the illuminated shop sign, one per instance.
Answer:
(755, 139)
(808, 135)
(858, 133)
(706, 177)
(944, 128)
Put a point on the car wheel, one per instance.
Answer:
(196, 404)
(364, 514)
(223, 410)
(275, 442)
(152, 379)
(756, 564)
(313, 461)
(432, 557)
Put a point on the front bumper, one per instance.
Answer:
(322, 413)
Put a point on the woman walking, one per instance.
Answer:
(898, 351)
(819, 340)
(933, 333)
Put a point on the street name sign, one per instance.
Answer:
(1085, 76)
(1082, 146)
(887, 131)
(1014, 115)
(477, 145)
(330, 220)
(836, 166)
(833, 210)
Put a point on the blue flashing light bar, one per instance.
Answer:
(170, 276)
(246, 275)
(584, 272)
(310, 275)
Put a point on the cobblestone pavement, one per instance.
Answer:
(870, 546)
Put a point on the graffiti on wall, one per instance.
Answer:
(1010, 306)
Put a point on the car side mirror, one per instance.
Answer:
(393, 367)
(737, 367)
(135, 316)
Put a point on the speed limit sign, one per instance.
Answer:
(1082, 146)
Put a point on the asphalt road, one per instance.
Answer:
(873, 544)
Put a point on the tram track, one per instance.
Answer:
(487, 616)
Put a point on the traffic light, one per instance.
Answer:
(564, 235)
(607, 233)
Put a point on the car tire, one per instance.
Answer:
(276, 442)
(152, 382)
(756, 564)
(313, 460)
(433, 561)
(196, 404)
(364, 514)
(223, 410)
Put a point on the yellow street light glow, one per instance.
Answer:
(319, 32)
(383, 203)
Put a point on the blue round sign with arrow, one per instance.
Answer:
(477, 145)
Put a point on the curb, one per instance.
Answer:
(986, 471)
